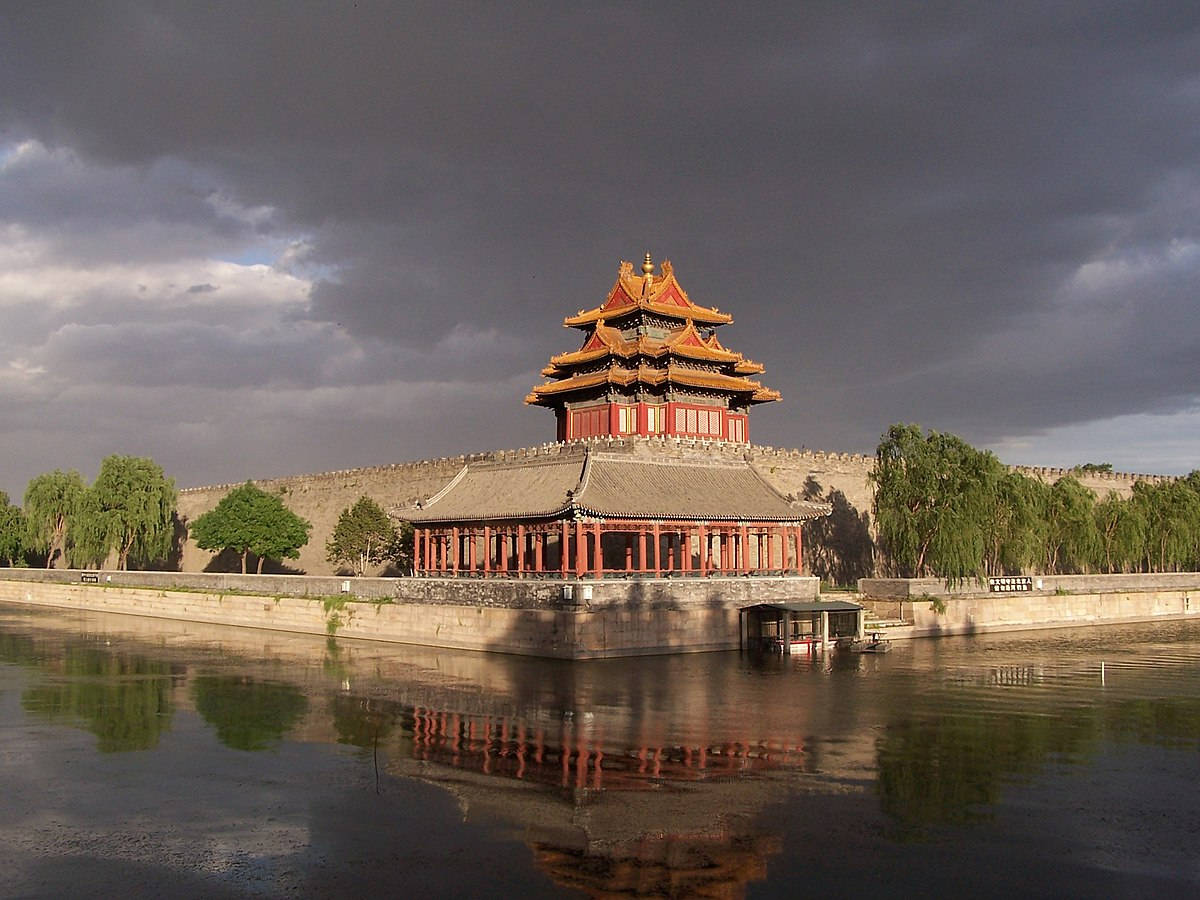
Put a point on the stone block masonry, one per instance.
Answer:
(600, 619)
(321, 497)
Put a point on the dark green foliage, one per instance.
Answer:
(248, 714)
(933, 497)
(249, 520)
(51, 504)
(1072, 539)
(363, 537)
(945, 509)
(12, 532)
(129, 509)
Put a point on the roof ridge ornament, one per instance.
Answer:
(647, 275)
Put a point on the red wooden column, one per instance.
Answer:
(520, 551)
(487, 549)
(598, 553)
(642, 549)
(580, 550)
(657, 546)
(566, 547)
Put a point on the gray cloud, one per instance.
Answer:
(978, 218)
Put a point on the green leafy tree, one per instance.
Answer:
(51, 504)
(1013, 524)
(1121, 527)
(12, 531)
(932, 497)
(129, 510)
(363, 537)
(401, 552)
(1072, 539)
(249, 520)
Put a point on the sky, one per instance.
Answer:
(258, 239)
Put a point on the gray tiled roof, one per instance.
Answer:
(611, 486)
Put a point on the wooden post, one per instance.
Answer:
(580, 550)
(566, 547)
(598, 554)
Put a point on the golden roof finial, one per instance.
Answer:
(648, 265)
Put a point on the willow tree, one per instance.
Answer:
(1072, 539)
(129, 510)
(1013, 524)
(933, 496)
(1172, 512)
(12, 531)
(51, 505)
(1121, 528)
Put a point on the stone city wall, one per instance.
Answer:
(321, 497)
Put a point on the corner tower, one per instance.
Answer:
(650, 364)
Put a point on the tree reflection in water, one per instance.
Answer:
(123, 699)
(248, 714)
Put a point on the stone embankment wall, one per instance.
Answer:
(606, 618)
(321, 497)
(1061, 600)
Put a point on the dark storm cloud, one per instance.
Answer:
(978, 217)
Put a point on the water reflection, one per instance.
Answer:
(652, 776)
(248, 714)
(123, 699)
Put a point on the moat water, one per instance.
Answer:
(154, 758)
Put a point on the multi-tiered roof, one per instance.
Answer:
(648, 346)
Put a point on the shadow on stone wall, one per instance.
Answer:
(231, 561)
(838, 548)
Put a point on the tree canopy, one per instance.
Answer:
(249, 520)
(51, 504)
(12, 531)
(364, 536)
(944, 508)
(129, 509)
